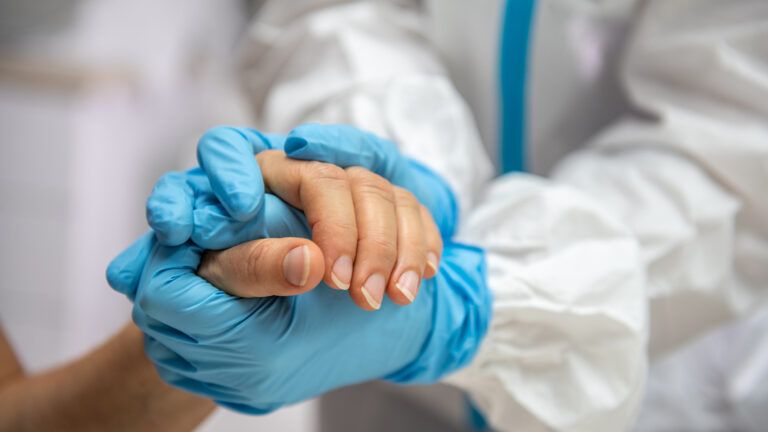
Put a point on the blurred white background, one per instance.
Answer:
(97, 99)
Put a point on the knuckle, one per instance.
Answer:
(377, 192)
(373, 185)
(315, 171)
(355, 171)
(363, 174)
(254, 256)
(340, 229)
(382, 246)
(405, 198)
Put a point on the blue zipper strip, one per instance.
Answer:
(513, 76)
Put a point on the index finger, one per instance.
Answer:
(323, 192)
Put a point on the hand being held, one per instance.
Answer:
(256, 354)
(368, 236)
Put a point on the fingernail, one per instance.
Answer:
(341, 273)
(296, 266)
(432, 261)
(407, 284)
(373, 290)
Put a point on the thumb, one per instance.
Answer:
(266, 267)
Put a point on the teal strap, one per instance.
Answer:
(513, 71)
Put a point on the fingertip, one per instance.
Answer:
(169, 209)
(119, 279)
(243, 205)
(123, 272)
(226, 155)
(296, 264)
(316, 266)
(408, 285)
(341, 272)
(302, 268)
(170, 223)
(294, 145)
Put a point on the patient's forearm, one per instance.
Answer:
(113, 388)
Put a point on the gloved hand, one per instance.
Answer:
(215, 204)
(255, 355)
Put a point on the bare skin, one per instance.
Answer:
(389, 241)
(115, 388)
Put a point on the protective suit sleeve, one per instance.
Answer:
(367, 64)
(566, 346)
(686, 180)
(690, 182)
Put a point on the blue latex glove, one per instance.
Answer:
(217, 212)
(227, 153)
(297, 347)
(255, 355)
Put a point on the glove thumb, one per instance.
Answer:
(266, 267)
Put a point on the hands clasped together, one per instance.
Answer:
(236, 301)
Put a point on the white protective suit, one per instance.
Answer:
(648, 119)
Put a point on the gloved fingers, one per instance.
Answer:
(124, 272)
(209, 390)
(403, 285)
(347, 146)
(434, 241)
(266, 267)
(323, 192)
(377, 236)
(215, 229)
(175, 369)
(178, 371)
(175, 296)
(158, 330)
(164, 357)
(169, 209)
(226, 154)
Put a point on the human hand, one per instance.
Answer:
(255, 354)
(350, 210)
(356, 216)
